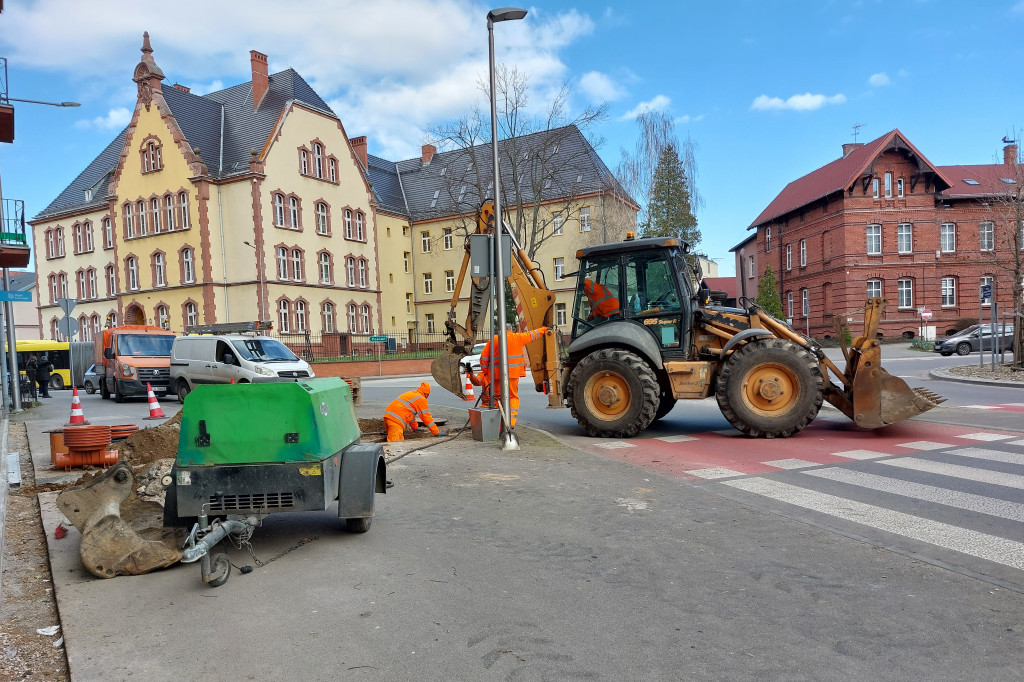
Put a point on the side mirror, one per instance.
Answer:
(229, 359)
(108, 353)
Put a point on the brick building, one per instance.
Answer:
(882, 220)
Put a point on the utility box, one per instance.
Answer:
(485, 423)
(480, 246)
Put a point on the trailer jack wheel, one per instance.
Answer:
(220, 569)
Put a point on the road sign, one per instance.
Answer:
(926, 314)
(986, 292)
(378, 339)
(68, 326)
(67, 304)
(15, 295)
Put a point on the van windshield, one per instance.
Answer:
(144, 344)
(264, 350)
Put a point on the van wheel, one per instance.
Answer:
(104, 393)
(182, 391)
(57, 382)
(118, 396)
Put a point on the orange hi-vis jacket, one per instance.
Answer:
(410, 405)
(602, 303)
(516, 352)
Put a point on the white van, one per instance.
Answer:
(219, 359)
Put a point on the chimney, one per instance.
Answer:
(428, 153)
(183, 88)
(359, 147)
(260, 77)
(850, 146)
(1010, 155)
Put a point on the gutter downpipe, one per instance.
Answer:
(220, 221)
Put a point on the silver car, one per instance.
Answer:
(91, 379)
(976, 338)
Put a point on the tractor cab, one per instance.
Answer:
(641, 281)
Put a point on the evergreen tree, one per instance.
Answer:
(669, 213)
(768, 294)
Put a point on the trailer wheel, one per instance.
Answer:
(613, 394)
(220, 569)
(770, 388)
(360, 525)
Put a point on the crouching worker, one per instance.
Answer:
(406, 409)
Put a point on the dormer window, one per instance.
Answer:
(151, 154)
(88, 195)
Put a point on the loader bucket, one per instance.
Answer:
(445, 368)
(118, 537)
(880, 399)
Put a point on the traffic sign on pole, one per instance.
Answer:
(68, 326)
(67, 304)
(926, 314)
(378, 339)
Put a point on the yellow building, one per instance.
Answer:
(253, 203)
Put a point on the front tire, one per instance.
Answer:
(118, 396)
(963, 349)
(89, 388)
(182, 390)
(770, 388)
(613, 394)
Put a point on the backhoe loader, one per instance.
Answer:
(654, 338)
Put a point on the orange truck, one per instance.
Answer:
(131, 357)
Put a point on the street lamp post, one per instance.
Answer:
(261, 309)
(509, 440)
(12, 355)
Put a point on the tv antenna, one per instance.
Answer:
(856, 130)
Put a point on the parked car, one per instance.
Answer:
(91, 379)
(975, 338)
(474, 357)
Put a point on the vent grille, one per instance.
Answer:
(251, 501)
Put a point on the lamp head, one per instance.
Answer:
(505, 14)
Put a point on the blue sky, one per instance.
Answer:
(768, 90)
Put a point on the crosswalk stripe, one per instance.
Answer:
(675, 439)
(861, 454)
(1015, 442)
(990, 455)
(982, 545)
(957, 471)
(981, 504)
(614, 445)
(791, 463)
(715, 472)
(923, 445)
(985, 436)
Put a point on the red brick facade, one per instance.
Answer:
(828, 235)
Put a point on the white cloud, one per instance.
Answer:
(878, 80)
(656, 103)
(804, 102)
(687, 119)
(365, 58)
(599, 88)
(114, 120)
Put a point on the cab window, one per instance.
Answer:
(653, 298)
(598, 295)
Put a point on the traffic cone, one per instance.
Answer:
(467, 389)
(77, 416)
(154, 407)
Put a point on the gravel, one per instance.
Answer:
(1003, 372)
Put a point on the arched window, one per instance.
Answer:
(169, 210)
(325, 267)
(282, 262)
(318, 160)
(111, 280)
(62, 280)
(293, 213)
(108, 233)
(366, 318)
(87, 230)
(300, 317)
(154, 207)
(183, 207)
(96, 329)
(81, 284)
(350, 264)
(159, 270)
(321, 217)
(297, 265)
(279, 210)
(129, 221)
(163, 318)
(133, 273)
(348, 224)
(141, 206)
(91, 275)
(79, 238)
(328, 312)
(60, 241)
(282, 315)
(362, 273)
(83, 327)
(360, 233)
(304, 162)
(188, 266)
(352, 317)
(191, 315)
(333, 166)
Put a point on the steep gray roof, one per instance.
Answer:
(386, 185)
(22, 281)
(225, 150)
(447, 184)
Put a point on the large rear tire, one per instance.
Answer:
(770, 388)
(613, 394)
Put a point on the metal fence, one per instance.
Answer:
(350, 347)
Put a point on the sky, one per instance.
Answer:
(767, 90)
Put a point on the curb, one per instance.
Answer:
(943, 375)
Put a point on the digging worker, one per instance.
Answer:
(410, 408)
(516, 342)
(602, 302)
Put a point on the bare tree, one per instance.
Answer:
(636, 169)
(1007, 252)
(541, 159)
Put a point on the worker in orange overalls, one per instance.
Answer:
(602, 302)
(516, 343)
(406, 409)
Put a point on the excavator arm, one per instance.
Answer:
(535, 306)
